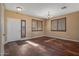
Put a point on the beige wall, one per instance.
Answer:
(0, 28)
(29, 33)
(72, 23)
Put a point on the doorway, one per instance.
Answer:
(13, 29)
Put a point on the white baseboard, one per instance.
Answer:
(64, 38)
(27, 38)
(49, 36)
(38, 36)
(19, 39)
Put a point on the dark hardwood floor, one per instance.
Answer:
(43, 46)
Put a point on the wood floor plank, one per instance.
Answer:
(42, 46)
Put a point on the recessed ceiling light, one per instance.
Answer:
(19, 8)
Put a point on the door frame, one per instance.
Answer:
(2, 30)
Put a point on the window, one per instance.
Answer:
(40, 25)
(37, 25)
(23, 28)
(34, 25)
(58, 24)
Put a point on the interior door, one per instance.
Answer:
(13, 29)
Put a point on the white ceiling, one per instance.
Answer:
(41, 9)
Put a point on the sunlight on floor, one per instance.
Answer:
(32, 43)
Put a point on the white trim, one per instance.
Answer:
(17, 40)
(2, 30)
(28, 38)
(64, 38)
(38, 36)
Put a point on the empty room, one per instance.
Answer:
(39, 29)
